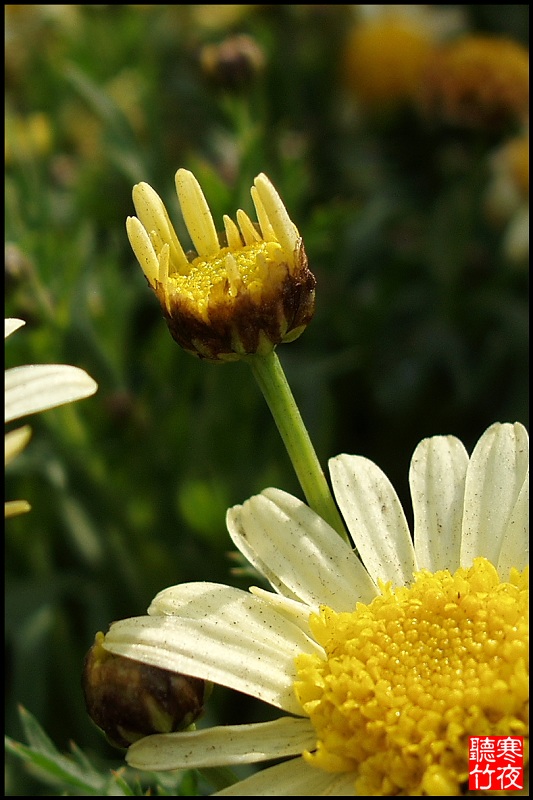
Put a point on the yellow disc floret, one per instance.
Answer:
(409, 677)
(257, 269)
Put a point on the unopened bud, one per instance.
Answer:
(234, 63)
(128, 700)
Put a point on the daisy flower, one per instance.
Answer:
(388, 47)
(382, 664)
(240, 293)
(478, 81)
(34, 388)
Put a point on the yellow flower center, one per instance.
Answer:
(409, 677)
(254, 269)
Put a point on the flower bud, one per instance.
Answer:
(128, 700)
(239, 294)
(233, 63)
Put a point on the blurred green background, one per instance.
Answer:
(421, 320)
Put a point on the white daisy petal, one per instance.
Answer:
(293, 610)
(15, 442)
(271, 204)
(496, 473)
(437, 480)
(12, 508)
(220, 634)
(375, 518)
(34, 388)
(515, 545)
(153, 216)
(294, 778)
(11, 325)
(298, 552)
(230, 744)
(196, 214)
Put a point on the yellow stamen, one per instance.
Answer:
(408, 678)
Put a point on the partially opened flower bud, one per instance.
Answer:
(233, 63)
(128, 700)
(233, 298)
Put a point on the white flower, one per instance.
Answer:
(382, 675)
(33, 388)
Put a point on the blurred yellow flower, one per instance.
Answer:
(34, 388)
(478, 81)
(27, 137)
(384, 59)
(238, 295)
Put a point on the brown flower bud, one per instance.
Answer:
(128, 700)
(233, 63)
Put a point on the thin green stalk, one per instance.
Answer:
(269, 374)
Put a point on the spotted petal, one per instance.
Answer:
(498, 469)
(299, 553)
(230, 744)
(437, 480)
(375, 518)
(220, 634)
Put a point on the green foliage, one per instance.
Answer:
(420, 329)
(78, 777)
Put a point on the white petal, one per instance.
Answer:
(249, 233)
(294, 778)
(282, 225)
(292, 610)
(153, 216)
(196, 214)
(496, 473)
(13, 508)
(30, 389)
(15, 442)
(228, 744)
(375, 518)
(298, 552)
(11, 325)
(515, 545)
(262, 217)
(437, 481)
(220, 634)
(232, 234)
(143, 249)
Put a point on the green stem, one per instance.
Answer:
(269, 374)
